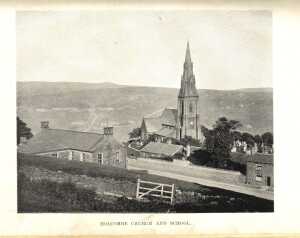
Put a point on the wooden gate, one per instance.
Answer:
(160, 190)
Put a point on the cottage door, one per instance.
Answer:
(268, 181)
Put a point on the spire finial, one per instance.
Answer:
(188, 53)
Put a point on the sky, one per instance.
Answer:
(229, 49)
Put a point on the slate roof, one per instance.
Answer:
(57, 139)
(162, 148)
(169, 116)
(166, 132)
(155, 123)
(152, 124)
(261, 158)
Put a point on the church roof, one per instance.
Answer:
(169, 116)
(166, 117)
(57, 139)
(167, 132)
(152, 124)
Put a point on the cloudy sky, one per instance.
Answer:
(230, 49)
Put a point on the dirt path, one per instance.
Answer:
(185, 175)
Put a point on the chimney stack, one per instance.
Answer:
(108, 131)
(45, 124)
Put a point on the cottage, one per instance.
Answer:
(260, 170)
(102, 149)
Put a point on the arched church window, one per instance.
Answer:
(191, 107)
(191, 124)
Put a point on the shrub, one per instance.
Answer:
(204, 158)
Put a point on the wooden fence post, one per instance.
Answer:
(138, 188)
(172, 194)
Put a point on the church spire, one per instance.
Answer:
(187, 106)
(188, 54)
(188, 87)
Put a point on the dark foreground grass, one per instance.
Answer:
(43, 196)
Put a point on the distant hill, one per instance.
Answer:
(256, 90)
(46, 88)
(84, 106)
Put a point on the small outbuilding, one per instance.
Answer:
(260, 170)
(161, 150)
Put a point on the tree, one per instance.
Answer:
(136, 132)
(209, 141)
(267, 138)
(22, 131)
(219, 140)
(258, 141)
(248, 138)
(236, 135)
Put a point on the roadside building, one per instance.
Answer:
(100, 148)
(260, 170)
(162, 150)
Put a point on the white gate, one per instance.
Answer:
(160, 190)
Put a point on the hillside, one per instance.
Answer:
(83, 106)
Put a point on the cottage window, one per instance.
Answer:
(54, 155)
(192, 124)
(100, 158)
(258, 167)
(258, 178)
(84, 156)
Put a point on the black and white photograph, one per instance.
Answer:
(150, 111)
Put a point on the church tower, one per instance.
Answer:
(187, 106)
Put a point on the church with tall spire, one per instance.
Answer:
(187, 104)
(172, 124)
